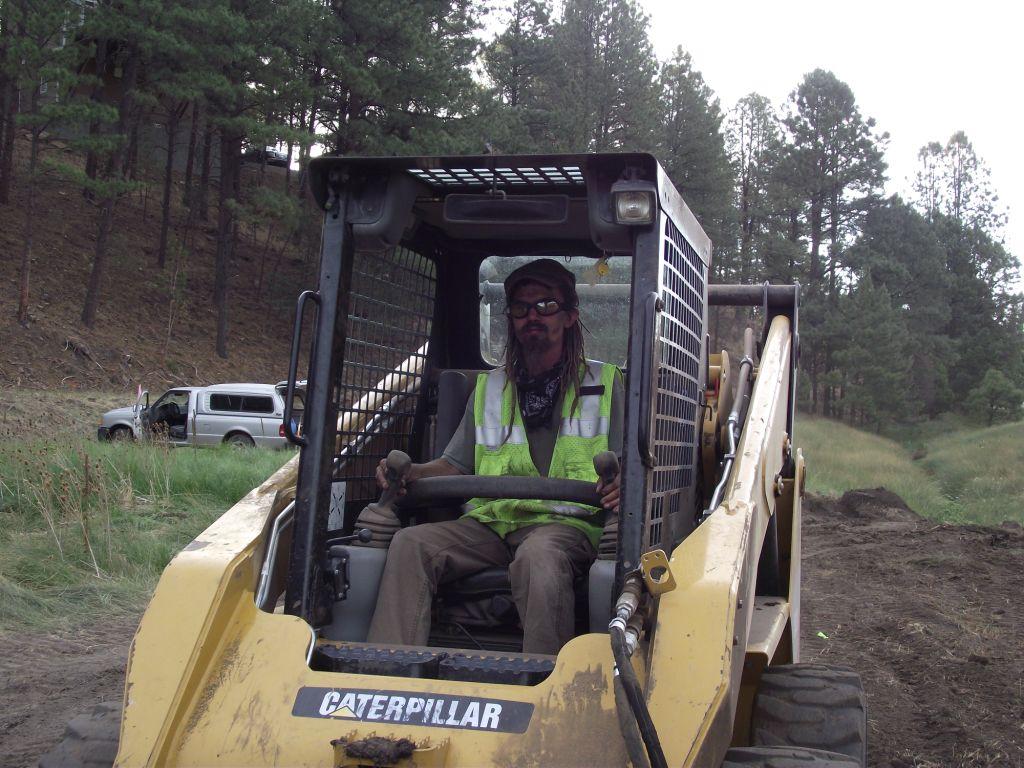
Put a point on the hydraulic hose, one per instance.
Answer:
(626, 675)
(627, 725)
(735, 421)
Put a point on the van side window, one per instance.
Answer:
(254, 404)
(226, 403)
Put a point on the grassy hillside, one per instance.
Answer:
(964, 475)
(981, 471)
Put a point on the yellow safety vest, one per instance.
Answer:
(502, 449)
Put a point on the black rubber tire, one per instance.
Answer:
(238, 440)
(814, 706)
(785, 757)
(120, 433)
(90, 740)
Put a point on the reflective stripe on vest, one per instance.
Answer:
(502, 449)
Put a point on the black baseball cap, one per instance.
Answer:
(546, 272)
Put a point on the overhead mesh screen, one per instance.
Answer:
(537, 176)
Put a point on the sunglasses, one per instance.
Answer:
(544, 308)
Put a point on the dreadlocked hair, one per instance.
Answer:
(570, 366)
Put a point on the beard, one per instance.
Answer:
(534, 344)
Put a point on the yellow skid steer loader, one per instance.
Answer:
(254, 648)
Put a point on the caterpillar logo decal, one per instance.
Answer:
(413, 708)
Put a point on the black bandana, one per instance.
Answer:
(537, 395)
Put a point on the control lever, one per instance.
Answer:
(398, 465)
(379, 517)
(362, 535)
(606, 464)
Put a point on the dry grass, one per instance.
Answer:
(87, 528)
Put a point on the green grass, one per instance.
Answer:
(944, 470)
(982, 471)
(87, 528)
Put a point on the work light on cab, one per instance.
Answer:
(634, 202)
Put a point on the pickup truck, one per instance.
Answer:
(243, 415)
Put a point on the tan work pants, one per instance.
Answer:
(543, 561)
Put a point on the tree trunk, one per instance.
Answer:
(230, 151)
(8, 93)
(833, 251)
(263, 261)
(173, 117)
(311, 130)
(193, 138)
(10, 130)
(130, 164)
(202, 196)
(92, 159)
(291, 146)
(118, 169)
(30, 214)
(99, 262)
(814, 220)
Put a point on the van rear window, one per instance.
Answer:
(241, 403)
(253, 404)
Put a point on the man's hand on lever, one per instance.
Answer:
(379, 517)
(606, 465)
(412, 472)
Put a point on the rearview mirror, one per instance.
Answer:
(501, 209)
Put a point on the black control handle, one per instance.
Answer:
(606, 464)
(397, 467)
(363, 535)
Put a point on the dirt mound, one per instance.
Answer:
(876, 504)
(929, 614)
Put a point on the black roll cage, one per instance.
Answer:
(375, 204)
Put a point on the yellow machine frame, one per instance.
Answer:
(212, 680)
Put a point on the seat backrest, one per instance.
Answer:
(453, 389)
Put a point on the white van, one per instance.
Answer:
(243, 415)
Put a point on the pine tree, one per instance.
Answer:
(122, 30)
(995, 399)
(692, 148)
(604, 78)
(10, 68)
(169, 89)
(835, 167)
(840, 160)
(955, 181)
(900, 251)
(401, 81)
(754, 144)
(43, 69)
(516, 63)
(871, 360)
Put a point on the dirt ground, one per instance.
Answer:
(47, 680)
(928, 614)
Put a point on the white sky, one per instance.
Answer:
(923, 70)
